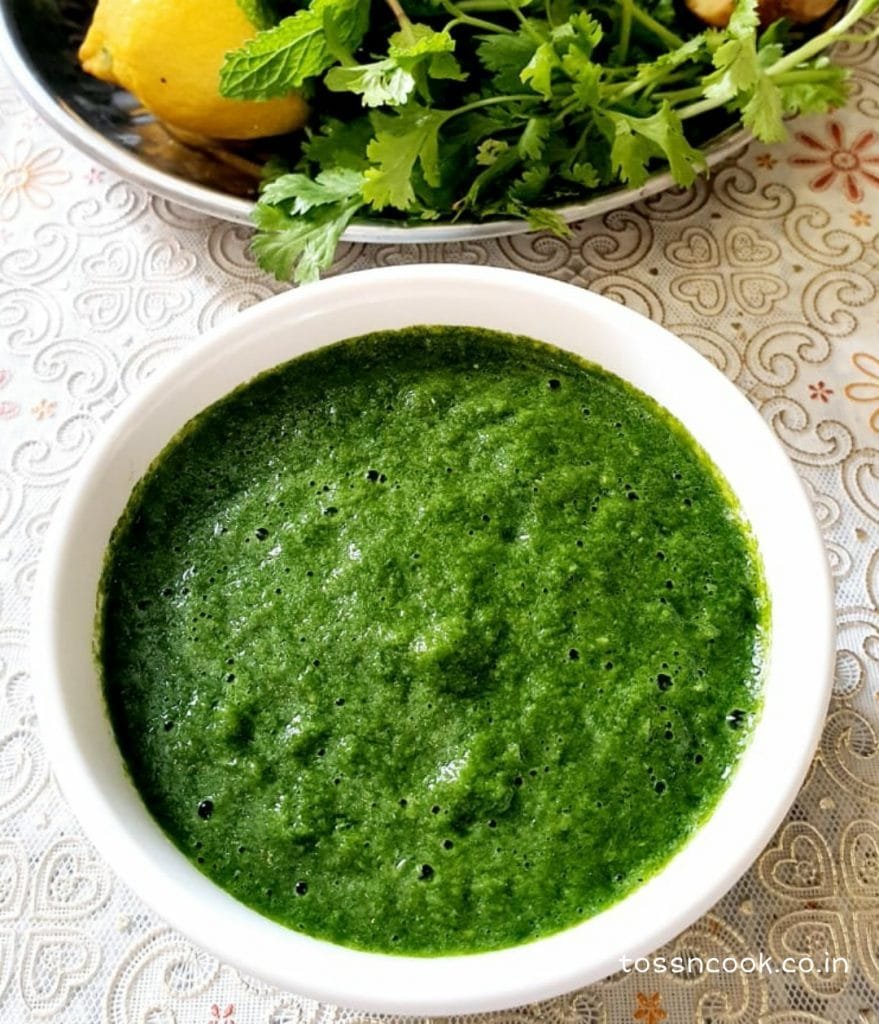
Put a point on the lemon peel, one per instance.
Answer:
(168, 53)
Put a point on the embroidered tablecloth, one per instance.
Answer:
(771, 270)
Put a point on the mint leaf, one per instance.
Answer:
(401, 141)
(330, 186)
(280, 59)
(302, 246)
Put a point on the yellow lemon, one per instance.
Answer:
(169, 54)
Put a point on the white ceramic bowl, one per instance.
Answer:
(88, 764)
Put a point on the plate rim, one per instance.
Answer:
(236, 210)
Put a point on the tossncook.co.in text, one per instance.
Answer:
(763, 963)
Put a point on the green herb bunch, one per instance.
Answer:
(429, 110)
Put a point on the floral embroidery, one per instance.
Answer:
(866, 390)
(766, 161)
(44, 409)
(648, 1008)
(857, 164)
(94, 176)
(820, 391)
(218, 1014)
(25, 175)
(861, 219)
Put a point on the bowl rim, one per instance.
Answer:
(237, 210)
(738, 828)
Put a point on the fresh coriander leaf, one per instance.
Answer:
(763, 113)
(503, 165)
(330, 186)
(418, 50)
(533, 138)
(585, 74)
(542, 219)
(299, 246)
(273, 168)
(581, 30)
(489, 150)
(538, 71)
(506, 56)
(381, 83)
(735, 60)
(582, 174)
(401, 141)
(280, 59)
(530, 185)
(418, 41)
(339, 144)
(636, 140)
(665, 63)
(809, 94)
(426, 53)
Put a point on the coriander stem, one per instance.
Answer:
(523, 21)
(401, 16)
(671, 40)
(464, 19)
(681, 95)
(484, 5)
(625, 29)
(491, 101)
(788, 64)
(814, 46)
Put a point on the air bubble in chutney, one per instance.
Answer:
(513, 680)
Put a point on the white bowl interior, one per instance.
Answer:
(87, 760)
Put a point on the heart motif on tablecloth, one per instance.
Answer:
(800, 865)
(103, 308)
(157, 307)
(695, 248)
(53, 963)
(23, 770)
(812, 937)
(13, 880)
(757, 293)
(745, 248)
(7, 960)
(866, 928)
(167, 261)
(71, 882)
(115, 264)
(706, 293)
(860, 859)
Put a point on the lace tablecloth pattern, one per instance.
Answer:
(771, 270)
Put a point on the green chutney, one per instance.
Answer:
(432, 641)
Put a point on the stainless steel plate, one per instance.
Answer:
(218, 179)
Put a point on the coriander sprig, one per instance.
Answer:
(441, 109)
